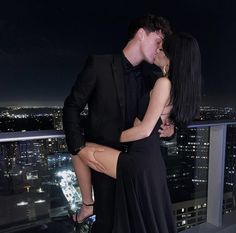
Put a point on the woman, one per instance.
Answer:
(142, 198)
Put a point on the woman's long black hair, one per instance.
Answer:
(185, 75)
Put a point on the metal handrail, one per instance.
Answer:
(44, 134)
(31, 135)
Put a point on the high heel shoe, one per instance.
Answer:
(85, 222)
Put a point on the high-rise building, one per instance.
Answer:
(230, 169)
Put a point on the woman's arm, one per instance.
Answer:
(158, 100)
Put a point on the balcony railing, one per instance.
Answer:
(215, 220)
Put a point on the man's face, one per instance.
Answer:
(151, 43)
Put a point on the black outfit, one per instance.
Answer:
(142, 197)
(111, 87)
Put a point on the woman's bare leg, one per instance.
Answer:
(108, 158)
(83, 175)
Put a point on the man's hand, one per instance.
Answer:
(136, 121)
(87, 156)
(166, 130)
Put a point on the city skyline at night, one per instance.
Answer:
(44, 46)
(29, 171)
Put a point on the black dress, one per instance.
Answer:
(143, 203)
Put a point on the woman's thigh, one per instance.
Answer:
(108, 158)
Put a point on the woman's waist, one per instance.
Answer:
(146, 144)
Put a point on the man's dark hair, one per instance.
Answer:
(150, 23)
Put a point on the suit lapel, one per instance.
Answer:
(118, 75)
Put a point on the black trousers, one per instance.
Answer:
(104, 193)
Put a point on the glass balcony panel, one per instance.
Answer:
(186, 158)
(37, 182)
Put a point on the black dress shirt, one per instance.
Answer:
(134, 89)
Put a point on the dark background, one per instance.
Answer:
(43, 43)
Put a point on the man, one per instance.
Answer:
(111, 85)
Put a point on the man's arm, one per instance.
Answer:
(74, 105)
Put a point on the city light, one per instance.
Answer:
(71, 194)
(39, 201)
(40, 190)
(22, 203)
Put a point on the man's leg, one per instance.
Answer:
(104, 192)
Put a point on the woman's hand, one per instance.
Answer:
(87, 156)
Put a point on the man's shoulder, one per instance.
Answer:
(104, 57)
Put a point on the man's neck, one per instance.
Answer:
(132, 54)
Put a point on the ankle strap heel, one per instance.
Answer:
(91, 204)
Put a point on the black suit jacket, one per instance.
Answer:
(101, 86)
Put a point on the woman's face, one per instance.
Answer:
(161, 59)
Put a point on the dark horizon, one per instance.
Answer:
(43, 45)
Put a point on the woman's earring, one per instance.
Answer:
(164, 70)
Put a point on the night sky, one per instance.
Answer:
(43, 43)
